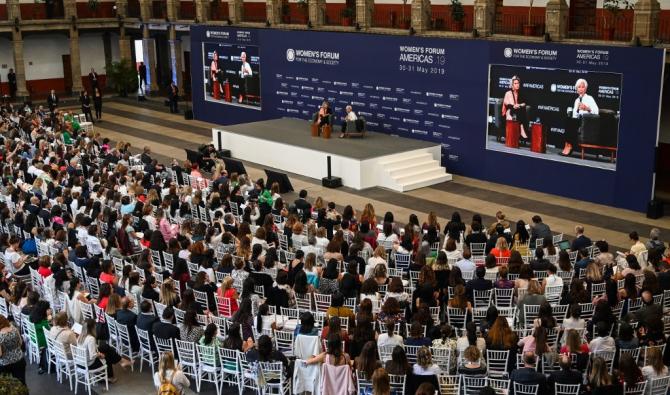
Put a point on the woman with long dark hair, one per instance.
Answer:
(88, 339)
(244, 317)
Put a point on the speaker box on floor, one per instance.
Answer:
(331, 182)
(655, 209)
(188, 114)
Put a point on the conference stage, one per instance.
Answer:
(377, 159)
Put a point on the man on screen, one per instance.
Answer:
(349, 117)
(245, 74)
(584, 104)
(514, 106)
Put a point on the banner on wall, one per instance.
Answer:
(452, 92)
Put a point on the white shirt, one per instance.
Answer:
(179, 380)
(553, 280)
(588, 100)
(12, 257)
(351, 116)
(466, 265)
(93, 245)
(602, 344)
(91, 345)
(429, 371)
(245, 70)
(385, 340)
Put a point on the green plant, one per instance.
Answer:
(613, 8)
(347, 12)
(457, 12)
(123, 76)
(10, 385)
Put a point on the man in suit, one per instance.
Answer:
(93, 79)
(165, 329)
(302, 204)
(146, 320)
(477, 236)
(142, 72)
(528, 375)
(11, 79)
(173, 95)
(538, 230)
(478, 283)
(580, 240)
(126, 317)
(52, 101)
(539, 263)
(583, 260)
(566, 375)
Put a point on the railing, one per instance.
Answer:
(391, 19)
(254, 12)
(663, 30)
(134, 9)
(518, 24)
(593, 28)
(218, 11)
(37, 11)
(186, 10)
(443, 20)
(158, 9)
(102, 9)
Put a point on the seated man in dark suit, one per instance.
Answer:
(528, 375)
(477, 236)
(478, 283)
(538, 230)
(566, 375)
(539, 263)
(126, 317)
(165, 329)
(580, 240)
(146, 320)
(302, 204)
(583, 260)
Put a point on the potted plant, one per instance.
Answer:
(122, 75)
(347, 15)
(529, 28)
(611, 13)
(457, 15)
(9, 385)
(285, 12)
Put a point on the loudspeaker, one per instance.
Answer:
(331, 182)
(654, 209)
(280, 178)
(234, 166)
(188, 115)
(223, 153)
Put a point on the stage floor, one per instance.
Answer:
(296, 132)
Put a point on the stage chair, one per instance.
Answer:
(358, 126)
(598, 132)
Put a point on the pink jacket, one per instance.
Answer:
(168, 230)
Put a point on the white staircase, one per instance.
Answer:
(411, 170)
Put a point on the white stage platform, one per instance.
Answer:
(377, 160)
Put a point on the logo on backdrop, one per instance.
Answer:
(508, 52)
(530, 53)
(290, 55)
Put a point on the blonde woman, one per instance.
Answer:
(502, 249)
(431, 221)
(424, 365)
(169, 373)
(169, 296)
(377, 258)
(369, 216)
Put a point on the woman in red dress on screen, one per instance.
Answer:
(514, 106)
(213, 71)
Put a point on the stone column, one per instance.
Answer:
(124, 46)
(19, 65)
(145, 10)
(70, 9)
(176, 55)
(235, 11)
(317, 12)
(273, 11)
(13, 10)
(556, 19)
(364, 10)
(122, 8)
(645, 22)
(149, 48)
(421, 14)
(75, 62)
(485, 12)
(202, 12)
(172, 12)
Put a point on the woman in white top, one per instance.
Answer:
(450, 248)
(88, 340)
(390, 338)
(386, 238)
(62, 333)
(378, 257)
(656, 368)
(424, 365)
(76, 295)
(552, 280)
(573, 321)
(169, 373)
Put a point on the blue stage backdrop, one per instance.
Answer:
(451, 92)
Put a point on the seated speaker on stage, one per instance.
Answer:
(322, 117)
(245, 74)
(349, 118)
(514, 106)
(585, 106)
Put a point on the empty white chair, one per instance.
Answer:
(164, 345)
(472, 385)
(322, 301)
(566, 389)
(209, 369)
(284, 342)
(500, 386)
(449, 385)
(497, 362)
(525, 389)
(659, 386)
(124, 344)
(634, 389)
(230, 368)
(503, 297)
(397, 383)
(64, 363)
(188, 359)
(146, 353)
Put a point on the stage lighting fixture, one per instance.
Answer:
(267, 23)
(412, 31)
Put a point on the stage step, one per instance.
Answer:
(412, 170)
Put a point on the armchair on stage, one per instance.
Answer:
(356, 128)
(324, 130)
(599, 133)
(511, 129)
